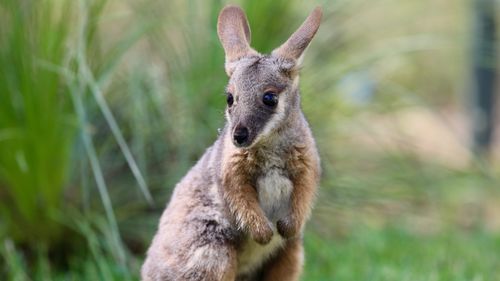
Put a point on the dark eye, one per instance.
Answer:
(270, 99)
(230, 99)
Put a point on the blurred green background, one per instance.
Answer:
(105, 105)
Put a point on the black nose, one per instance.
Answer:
(240, 135)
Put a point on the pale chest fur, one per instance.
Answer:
(274, 189)
(273, 186)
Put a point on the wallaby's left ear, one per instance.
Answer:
(294, 47)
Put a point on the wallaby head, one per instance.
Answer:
(263, 89)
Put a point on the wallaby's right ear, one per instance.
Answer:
(234, 34)
(295, 46)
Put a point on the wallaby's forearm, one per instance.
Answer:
(304, 178)
(243, 205)
(241, 198)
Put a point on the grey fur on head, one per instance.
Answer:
(253, 74)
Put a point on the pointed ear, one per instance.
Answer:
(234, 34)
(294, 47)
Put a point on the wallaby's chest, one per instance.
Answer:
(274, 187)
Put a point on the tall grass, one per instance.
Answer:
(37, 123)
(49, 80)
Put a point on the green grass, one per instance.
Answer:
(37, 125)
(84, 267)
(396, 254)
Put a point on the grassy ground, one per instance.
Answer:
(396, 254)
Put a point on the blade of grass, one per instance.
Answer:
(96, 85)
(77, 92)
(110, 119)
(13, 261)
(97, 171)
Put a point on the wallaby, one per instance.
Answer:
(239, 212)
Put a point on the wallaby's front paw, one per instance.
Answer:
(288, 227)
(262, 232)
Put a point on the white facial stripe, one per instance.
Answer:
(276, 118)
(228, 116)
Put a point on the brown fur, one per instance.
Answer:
(239, 212)
(241, 196)
(287, 265)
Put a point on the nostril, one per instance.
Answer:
(240, 135)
